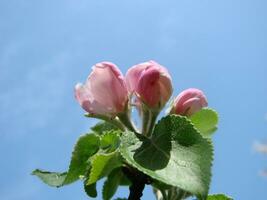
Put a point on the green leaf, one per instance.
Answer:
(218, 197)
(110, 141)
(176, 155)
(102, 164)
(114, 179)
(53, 179)
(205, 121)
(102, 127)
(86, 147)
(90, 190)
(107, 158)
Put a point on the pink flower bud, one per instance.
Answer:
(104, 92)
(189, 102)
(151, 83)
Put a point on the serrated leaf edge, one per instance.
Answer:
(73, 153)
(93, 158)
(105, 185)
(215, 112)
(169, 182)
(230, 198)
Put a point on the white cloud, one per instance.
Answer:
(260, 147)
(263, 173)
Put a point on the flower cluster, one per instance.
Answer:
(174, 155)
(107, 94)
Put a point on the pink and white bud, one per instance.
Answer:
(151, 83)
(189, 102)
(104, 92)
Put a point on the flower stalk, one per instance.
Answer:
(112, 120)
(149, 118)
(125, 119)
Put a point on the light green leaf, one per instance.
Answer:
(114, 179)
(176, 155)
(53, 179)
(110, 141)
(86, 147)
(102, 164)
(107, 158)
(102, 127)
(218, 197)
(206, 121)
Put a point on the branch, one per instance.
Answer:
(139, 180)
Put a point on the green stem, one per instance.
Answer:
(180, 196)
(146, 118)
(113, 121)
(125, 119)
(164, 195)
(176, 194)
(117, 123)
(153, 118)
(149, 118)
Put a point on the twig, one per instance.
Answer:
(139, 180)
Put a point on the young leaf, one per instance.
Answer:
(176, 155)
(113, 181)
(205, 121)
(218, 197)
(106, 159)
(102, 164)
(102, 127)
(86, 147)
(53, 179)
(110, 141)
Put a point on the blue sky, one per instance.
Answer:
(46, 47)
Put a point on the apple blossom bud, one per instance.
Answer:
(189, 102)
(104, 92)
(151, 83)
